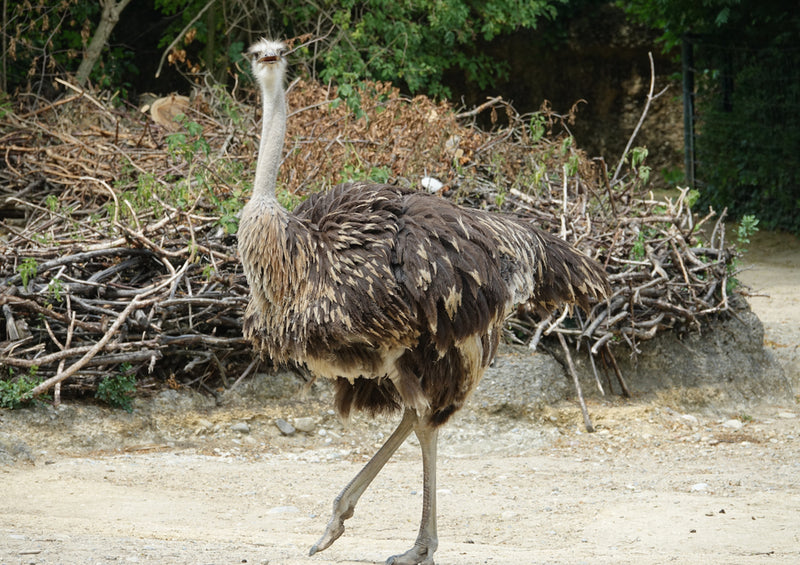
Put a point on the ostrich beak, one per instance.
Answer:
(268, 59)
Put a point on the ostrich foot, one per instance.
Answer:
(334, 530)
(345, 504)
(417, 555)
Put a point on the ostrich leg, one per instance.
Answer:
(345, 503)
(427, 539)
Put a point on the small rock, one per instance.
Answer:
(283, 510)
(203, 424)
(689, 419)
(734, 425)
(285, 427)
(787, 415)
(700, 487)
(305, 424)
(241, 427)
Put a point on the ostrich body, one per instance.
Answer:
(397, 296)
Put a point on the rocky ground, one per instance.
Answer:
(181, 480)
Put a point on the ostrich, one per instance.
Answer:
(398, 296)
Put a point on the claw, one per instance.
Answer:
(415, 556)
(334, 530)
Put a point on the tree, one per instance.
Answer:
(725, 20)
(108, 19)
(41, 40)
(410, 43)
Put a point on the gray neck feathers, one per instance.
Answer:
(273, 129)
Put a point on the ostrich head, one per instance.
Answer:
(268, 62)
(269, 66)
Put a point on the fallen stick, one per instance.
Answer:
(83, 361)
(587, 422)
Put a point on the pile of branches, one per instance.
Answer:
(118, 233)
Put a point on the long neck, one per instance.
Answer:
(273, 129)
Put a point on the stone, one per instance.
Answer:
(734, 425)
(285, 427)
(305, 424)
(724, 366)
(283, 510)
(689, 419)
(520, 383)
(241, 427)
(204, 425)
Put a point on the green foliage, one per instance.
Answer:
(380, 174)
(27, 270)
(288, 200)
(573, 163)
(538, 126)
(226, 103)
(188, 143)
(748, 142)
(5, 105)
(209, 271)
(44, 39)
(747, 227)
(415, 42)
(411, 43)
(673, 176)
(692, 198)
(748, 88)
(52, 202)
(118, 390)
(56, 289)
(209, 44)
(228, 209)
(203, 180)
(737, 20)
(638, 156)
(566, 144)
(638, 251)
(15, 391)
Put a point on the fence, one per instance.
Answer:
(742, 128)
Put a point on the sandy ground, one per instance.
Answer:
(652, 485)
(772, 271)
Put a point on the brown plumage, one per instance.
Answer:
(398, 296)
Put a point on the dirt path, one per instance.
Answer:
(652, 486)
(200, 485)
(773, 273)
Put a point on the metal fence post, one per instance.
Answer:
(687, 59)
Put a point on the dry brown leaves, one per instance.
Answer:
(402, 138)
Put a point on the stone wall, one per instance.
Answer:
(723, 368)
